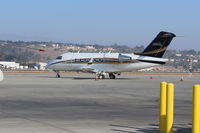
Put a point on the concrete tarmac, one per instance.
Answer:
(40, 103)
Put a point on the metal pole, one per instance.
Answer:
(163, 95)
(196, 109)
(170, 108)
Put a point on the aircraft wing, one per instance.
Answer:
(89, 69)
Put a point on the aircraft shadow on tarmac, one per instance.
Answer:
(151, 128)
(92, 78)
(82, 78)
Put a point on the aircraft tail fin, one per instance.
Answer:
(159, 45)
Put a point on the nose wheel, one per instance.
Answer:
(111, 76)
(57, 75)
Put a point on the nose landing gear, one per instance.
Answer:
(57, 74)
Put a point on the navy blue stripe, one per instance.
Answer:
(150, 61)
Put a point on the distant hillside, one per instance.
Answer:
(22, 52)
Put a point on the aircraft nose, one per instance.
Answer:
(49, 64)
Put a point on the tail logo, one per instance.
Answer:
(157, 44)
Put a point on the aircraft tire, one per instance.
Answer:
(112, 76)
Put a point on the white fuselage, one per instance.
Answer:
(103, 62)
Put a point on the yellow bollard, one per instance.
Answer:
(163, 94)
(196, 109)
(170, 108)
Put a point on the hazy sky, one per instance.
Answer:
(126, 22)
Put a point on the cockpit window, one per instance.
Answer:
(59, 57)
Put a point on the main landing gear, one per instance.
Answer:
(111, 76)
(100, 76)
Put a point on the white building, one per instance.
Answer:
(41, 65)
(9, 65)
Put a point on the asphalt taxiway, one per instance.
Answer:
(40, 103)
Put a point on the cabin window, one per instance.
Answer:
(59, 57)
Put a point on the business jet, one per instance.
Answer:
(113, 64)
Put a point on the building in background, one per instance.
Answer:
(9, 65)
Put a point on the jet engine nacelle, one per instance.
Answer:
(124, 58)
